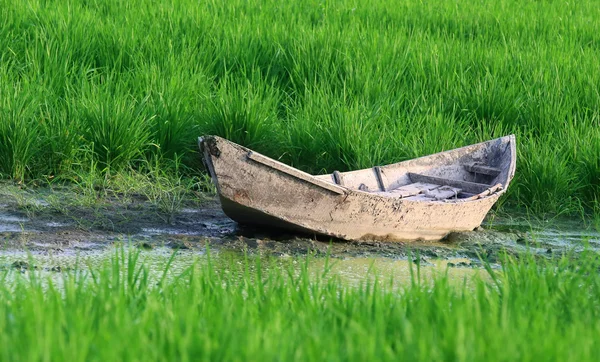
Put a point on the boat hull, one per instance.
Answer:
(256, 193)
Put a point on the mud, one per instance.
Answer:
(57, 222)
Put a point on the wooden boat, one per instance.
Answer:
(420, 199)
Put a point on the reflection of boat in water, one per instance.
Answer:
(420, 199)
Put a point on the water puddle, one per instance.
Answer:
(398, 272)
(10, 228)
(11, 223)
(165, 231)
(549, 237)
(53, 224)
(59, 236)
(11, 219)
(350, 271)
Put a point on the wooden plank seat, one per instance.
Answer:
(466, 186)
(480, 168)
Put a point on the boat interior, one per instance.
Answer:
(466, 173)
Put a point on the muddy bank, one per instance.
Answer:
(58, 221)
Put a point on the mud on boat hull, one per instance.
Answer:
(260, 191)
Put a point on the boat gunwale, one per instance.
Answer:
(510, 138)
(340, 190)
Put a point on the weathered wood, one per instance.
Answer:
(408, 190)
(482, 169)
(490, 191)
(418, 186)
(444, 192)
(379, 178)
(254, 189)
(337, 178)
(436, 194)
(294, 172)
(467, 186)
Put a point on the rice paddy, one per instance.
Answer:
(101, 103)
(232, 308)
(103, 86)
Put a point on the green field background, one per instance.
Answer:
(322, 85)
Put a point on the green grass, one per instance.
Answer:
(322, 85)
(258, 309)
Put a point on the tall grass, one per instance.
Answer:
(323, 85)
(258, 310)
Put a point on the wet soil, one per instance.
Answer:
(59, 222)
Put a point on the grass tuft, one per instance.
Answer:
(224, 308)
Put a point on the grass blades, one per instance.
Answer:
(324, 86)
(258, 309)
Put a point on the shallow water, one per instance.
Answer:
(352, 265)
(352, 271)
(559, 235)
(59, 238)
